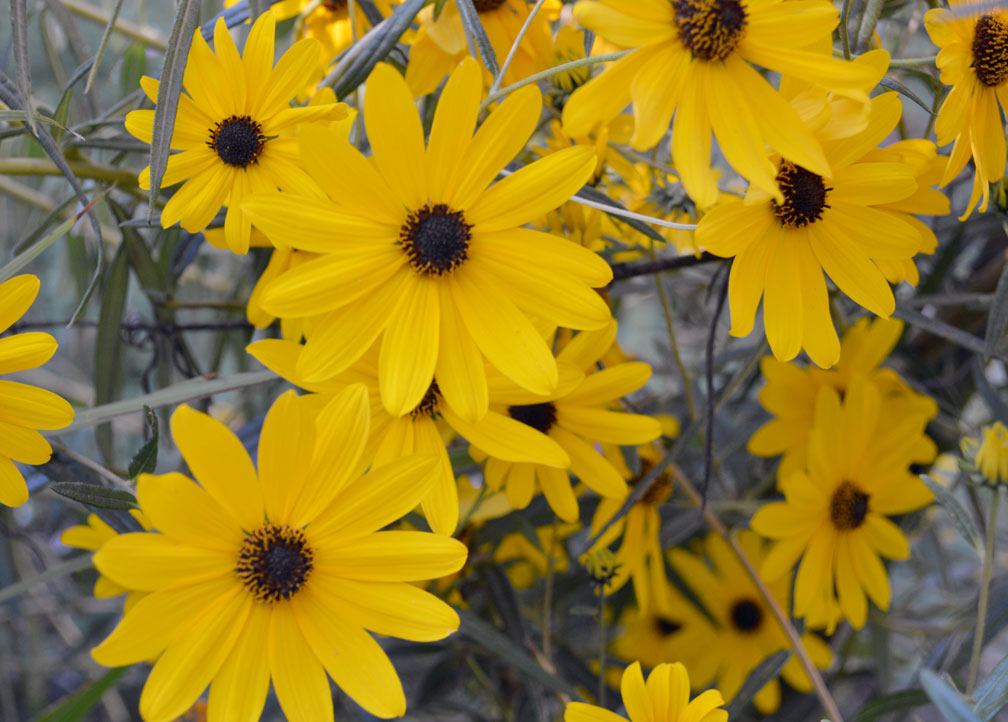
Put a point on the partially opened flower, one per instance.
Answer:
(92, 536)
(275, 574)
(992, 456)
(420, 253)
(695, 59)
(24, 409)
(835, 515)
(974, 61)
(234, 128)
(664, 698)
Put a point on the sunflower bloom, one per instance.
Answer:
(745, 631)
(695, 59)
(233, 128)
(839, 225)
(276, 574)
(417, 250)
(791, 390)
(835, 515)
(664, 698)
(25, 409)
(574, 418)
(974, 60)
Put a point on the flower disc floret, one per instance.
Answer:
(237, 140)
(710, 29)
(483, 6)
(990, 50)
(804, 193)
(274, 562)
(540, 417)
(435, 239)
(848, 507)
(746, 615)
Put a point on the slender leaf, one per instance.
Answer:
(108, 347)
(963, 521)
(598, 196)
(134, 66)
(904, 90)
(144, 460)
(490, 639)
(371, 12)
(901, 701)
(949, 701)
(169, 90)
(940, 328)
(474, 30)
(758, 678)
(22, 63)
(992, 694)
(77, 707)
(997, 318)
(109, 27)
(75, 564)
(98, 497)
(993, 399)
(869, 19)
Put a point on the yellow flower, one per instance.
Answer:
(427, 428)
(573, 419)
(839, 225)
(992, 456)
(694, 59)
(276, 574)
(974, 61)
(234, 129)
(664, 698)
(835, 515)
(420, 252)
(24, 409)
(791, 390)
(744, 632)
(92, 536)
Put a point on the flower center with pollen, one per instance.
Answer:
(483, 6)
(990, 50)
(274, 562)
(429, 403)
(710, 29)
(540, 417)
(746, 616)
(804, 196)
(848, 507)
(435, 239)
(237, 140)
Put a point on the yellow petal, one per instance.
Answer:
(409, 348)
(394, 556)
(299, 678)
(397, 138)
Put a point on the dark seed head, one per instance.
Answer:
(483, 6)
(990, 50)
(274, 562)
(848, 507)
(804, 196)
(665, 626)
(429, 403)
(710, 29)
(540, 417)
(237, 140)
(746, 615)
(435, 239)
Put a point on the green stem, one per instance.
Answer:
(548, 596)
(82, 169)
(927, 61)
(670, 326)
(542, 75)
(602, 647)
(514, 47)
(985, 579)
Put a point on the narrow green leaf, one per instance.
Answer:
(74, 564)
(140, 258)
(371, 12)
(963, 521)
(475, 31)
(763, 673)
(100, 52)
(891, 703)
(61, 114)
(98, 497)
(869, 19)
(947, 698)
(134, 66)
(438, 7)
(993, 399)
(992, 694)
(904, 90)
(145, 459)
(22, 63)
(77, 707)
(941, 329)
(487, 637)
(108, 346)
(997, 317)
(169, 90)
(598, 196)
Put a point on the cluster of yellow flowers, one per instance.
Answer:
(430, 290)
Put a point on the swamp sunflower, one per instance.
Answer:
(419, 251)
(24, 409)
(974, 60)
(234, 128)
(700, 61)
(276, 574)
(835, 515)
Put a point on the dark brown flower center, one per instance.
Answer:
(435, 239)
(659, 491)
(237, 140)
(804, 196)
(334, 5)
(848, 507)
(540, 417)
(746, 616)
(710, 29)
(429, 403)
(483, 6)
(990, 50)
(664, 626)
(274, 562)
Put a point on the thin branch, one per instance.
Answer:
(514, 46)
(709, 377)
(623, 271)
(148, 326)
